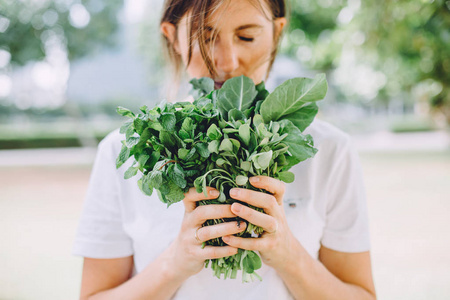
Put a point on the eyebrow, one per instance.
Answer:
(242, 27)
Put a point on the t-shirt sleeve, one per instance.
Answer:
(100, 232)
(347, 228)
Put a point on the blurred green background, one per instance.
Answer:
(70, 63)
(65, 65)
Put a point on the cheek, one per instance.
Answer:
(197, 67)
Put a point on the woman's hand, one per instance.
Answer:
(275, 244)
(185, 254)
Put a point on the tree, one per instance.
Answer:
(28, 28)
(401, 47)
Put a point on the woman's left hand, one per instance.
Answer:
(276, 243)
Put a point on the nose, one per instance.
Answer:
(226, 57)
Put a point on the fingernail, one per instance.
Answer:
(236, 207)
(214, 193)
(254, 179)
(234, 192)
(226, 238)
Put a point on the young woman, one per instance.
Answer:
(316, 240)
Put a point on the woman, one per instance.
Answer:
(316, 243)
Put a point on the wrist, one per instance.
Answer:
(294, 258)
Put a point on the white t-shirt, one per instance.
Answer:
(325, 205)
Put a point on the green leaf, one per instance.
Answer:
(168, 121)
(202, 149)
(287, 177)
(238, 93)
(213, 132)
(131, 141)
(251, 262)
(235, 115)
(187, 125)
(184, 134)
(241, 180)
(124, 112)
(246, 165)
(262, 160)
(139, 125)
(176, 173)
(130, 172)
(204, 85)
(183, 153)
(244, 134)
(146, 185)
(175, 193)
(226, 145)
(123, 156)
(292, 95)
(303, 117)
(156, 178)
(126, 126)
(213, 146)
(300, 146)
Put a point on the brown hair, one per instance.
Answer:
(199, 10)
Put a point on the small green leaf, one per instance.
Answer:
(130, 172)
(262, 160)
(126, 126)
(213, 132)
(241, 180)
(168, 121)
(226, 145)
(123, 156)
(202, 149)
(124, 112)
(287, 177)
(244, 134)
(183, 153)
(213, 146)
(246, 165)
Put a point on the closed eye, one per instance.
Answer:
(245, 39)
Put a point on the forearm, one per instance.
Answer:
(156, 281)
(307, 278)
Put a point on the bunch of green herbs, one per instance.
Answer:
(221, 139)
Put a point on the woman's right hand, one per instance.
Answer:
(185, 254)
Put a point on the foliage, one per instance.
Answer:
(402, 47)
(221, 139)
(29, 27)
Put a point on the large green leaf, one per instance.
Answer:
(238, 92)
(291, 95)
(300, 146)
(303, 117)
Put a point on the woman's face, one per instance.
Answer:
(243, 46)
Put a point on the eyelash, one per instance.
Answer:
(244, 39)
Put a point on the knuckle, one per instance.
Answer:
(272, 202)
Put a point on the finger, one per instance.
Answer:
(272, 185)
(207, 233)
(213, 211)
(267, 222)
(191, 197)
(244, 243)
(210, 252)
(266, 201)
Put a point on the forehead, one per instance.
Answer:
(238, 14)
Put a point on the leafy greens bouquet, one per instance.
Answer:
(221, 139)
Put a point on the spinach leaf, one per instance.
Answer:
(292, 95)
(236, 93)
